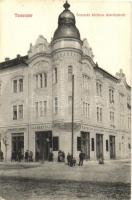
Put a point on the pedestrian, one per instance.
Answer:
(71, 161)
(81, 158)
(1, 156)
(68, 159)
(63, 155)
(101, 159)
(74, 161)
(19, 156)
(26, 156)
(30, 156)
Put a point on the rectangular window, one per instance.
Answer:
(111, 117)
(20, 110)
(92, 144)
(45, 80)
(56, 143)
(83, 108)
(56, 105)
(99, 88)
(87, 110)
(45, 107)
(15, 86)
(21, 85)
(41, 80)
(69, 73)
(41, 108)
(37, 81)
(111, 95)
(36, 109)
(78, 143)
(55, 75)
(99, 114)
(107, 145)
(14, 112)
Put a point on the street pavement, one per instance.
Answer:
(58, 181)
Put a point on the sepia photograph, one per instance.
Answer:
(65, 99)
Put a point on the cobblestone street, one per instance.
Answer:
(58, 181)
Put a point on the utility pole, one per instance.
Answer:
(72, 138)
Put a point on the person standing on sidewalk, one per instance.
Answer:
(81, 158)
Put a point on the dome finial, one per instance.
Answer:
(66, 5)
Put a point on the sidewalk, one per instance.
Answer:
(111, 171)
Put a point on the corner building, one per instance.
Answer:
(36, 100)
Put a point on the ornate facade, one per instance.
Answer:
(36, 100)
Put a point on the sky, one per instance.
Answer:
(110, 37)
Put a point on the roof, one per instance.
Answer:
(13, 62)
(107, 74)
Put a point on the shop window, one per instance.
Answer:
(107, 145)
(78, 143)
(92, 144)
(56, 143)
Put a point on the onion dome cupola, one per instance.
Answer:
(66, 25)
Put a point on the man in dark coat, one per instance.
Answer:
(81, 158)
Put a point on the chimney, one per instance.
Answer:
(18, 56)
(7, 59)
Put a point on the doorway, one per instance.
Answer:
(85, 144)
(43, 143)
(112, 147)
(17, 146)
(99, 145)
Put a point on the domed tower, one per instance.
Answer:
(66, 25)
(66, 48)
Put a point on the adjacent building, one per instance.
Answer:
(36, 100)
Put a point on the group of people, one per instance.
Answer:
(18, 156)
(28, 156)
(71, 161)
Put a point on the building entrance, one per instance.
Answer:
(43, 140)
(112, 147)
(85, 144)
(99, 145)
(17, 146)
